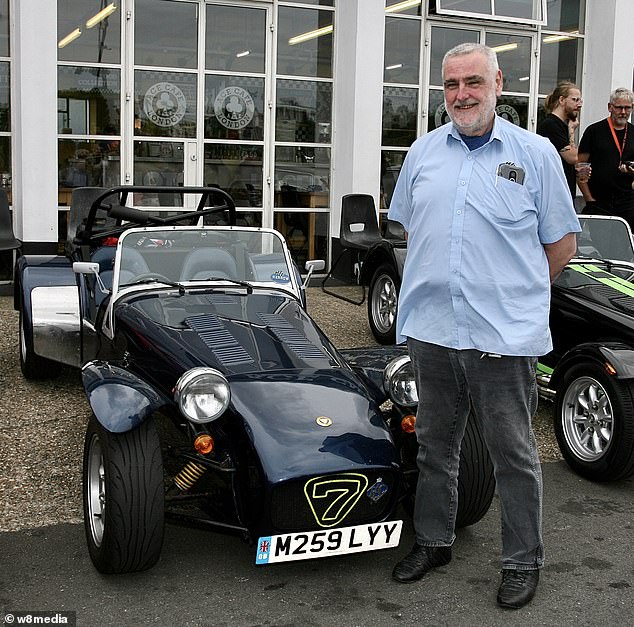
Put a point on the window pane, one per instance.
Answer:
(465, 6)
(402, 50)
(302, 177)
(515, 63)
(442, 40)
(399, 7)
(165, 33)
(566, 15)
(400, 106)
(157, 164)
(304, 42)
(164, 104)
(514, 109)
(560, 61)
(4, 28)
(234, 107)
(303, 111)
(92, 163)
(525, 9)
(391, 163)
(236, 169)
(5, 165)
(88, 100)
(99, 44)
(323, 3)
(5, 97)
(306, 234)
(437, 112)
(235, 39)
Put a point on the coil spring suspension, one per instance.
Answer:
(188, 476)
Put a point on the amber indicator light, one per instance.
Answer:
(408, 423)
(204, 444)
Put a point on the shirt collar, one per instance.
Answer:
(496, 133)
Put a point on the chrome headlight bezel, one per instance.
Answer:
(193, 386)
(399, 382)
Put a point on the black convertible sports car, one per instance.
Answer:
(215, 398)
(590, 372)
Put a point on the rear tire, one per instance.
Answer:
(383, 303)
(594, 423)
(123, 498)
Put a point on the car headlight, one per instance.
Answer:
(399, 382)
(202, 394)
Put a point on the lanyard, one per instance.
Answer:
(616, 140)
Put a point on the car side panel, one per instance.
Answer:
(46, 289)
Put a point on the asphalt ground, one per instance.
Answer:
(205, 578)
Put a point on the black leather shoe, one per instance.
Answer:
(420, 560)
(517, 587)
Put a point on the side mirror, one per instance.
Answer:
(90, 267)
(314, 265)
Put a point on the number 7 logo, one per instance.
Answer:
(331, 498)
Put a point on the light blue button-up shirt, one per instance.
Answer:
(476, 274)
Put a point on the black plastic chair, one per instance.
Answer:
(359, 231)
(8, 241)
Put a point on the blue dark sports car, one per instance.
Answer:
(215, 398)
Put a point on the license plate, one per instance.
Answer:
(288, 547)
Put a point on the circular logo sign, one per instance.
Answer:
(164, 104)
(508, 113)
(323, 421)
(441, 116)
(234, 107)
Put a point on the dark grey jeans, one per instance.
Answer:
(502, 393)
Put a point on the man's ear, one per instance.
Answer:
(499, 81)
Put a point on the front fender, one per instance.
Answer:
(120, 400)
(383, 252)
(370, 363)
(619, 356)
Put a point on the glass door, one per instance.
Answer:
(165, 96)
(200, 93)
(236, 94)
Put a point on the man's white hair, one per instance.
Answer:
(621, 93)
(468, 48)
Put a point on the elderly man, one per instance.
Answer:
(490, 222)
(608, 145)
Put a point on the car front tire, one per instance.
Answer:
(476, 479)
(123, 498)
(594, 423)
(383, 303)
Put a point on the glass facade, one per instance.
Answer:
(239, 95)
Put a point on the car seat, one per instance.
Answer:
(203, 263)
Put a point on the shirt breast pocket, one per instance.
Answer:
(510, 201)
